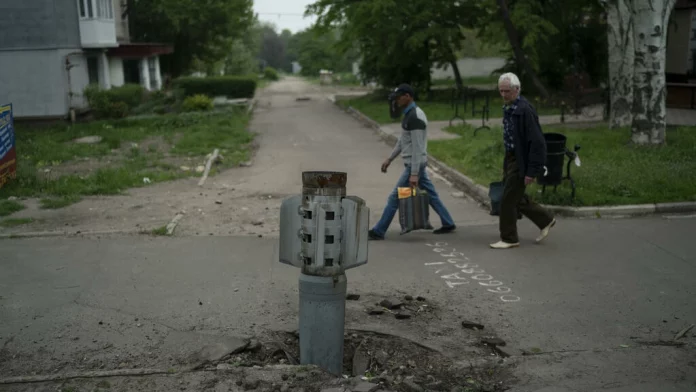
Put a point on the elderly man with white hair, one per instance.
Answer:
(525, 155)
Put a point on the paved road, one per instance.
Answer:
(593, 302)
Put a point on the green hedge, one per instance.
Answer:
(115, 102)
(230, 86)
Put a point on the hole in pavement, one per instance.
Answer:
(397, 363)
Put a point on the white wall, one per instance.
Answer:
(116, 71)
(79, 79)
(470, 67)
(35, 81)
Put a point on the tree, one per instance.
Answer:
(241, 60)
(651, 18)
(201, 31)
(517, 48)
(273, 47)
(557, 39)
(379, 30)
(621, 50)
(399, 42)
(316, 49)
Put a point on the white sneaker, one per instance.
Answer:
(546, 230)
(504, 245)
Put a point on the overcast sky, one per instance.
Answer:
(285, 14)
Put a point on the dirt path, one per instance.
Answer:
(293, 136)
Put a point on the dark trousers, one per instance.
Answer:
(514, 200)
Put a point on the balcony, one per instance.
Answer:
(97, 25)
(98, 33)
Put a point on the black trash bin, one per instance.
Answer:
(555, 156)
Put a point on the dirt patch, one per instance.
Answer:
(393, 362)
(270, 363)
(155, 149)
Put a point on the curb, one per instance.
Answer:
(44, 234)
(480, 193)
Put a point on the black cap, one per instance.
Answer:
(404, 89)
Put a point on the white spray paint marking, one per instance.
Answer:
(466, 270)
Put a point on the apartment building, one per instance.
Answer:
(50, 50)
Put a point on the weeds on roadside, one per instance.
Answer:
(124, 164)
(160, 231)
(8, 207)
(13, 222)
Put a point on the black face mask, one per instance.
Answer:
(394, 111)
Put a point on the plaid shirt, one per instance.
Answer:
(508, 139)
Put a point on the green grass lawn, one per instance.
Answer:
(376, 107)
(53, 167)
(612, 171)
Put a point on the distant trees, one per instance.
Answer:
(201, 32)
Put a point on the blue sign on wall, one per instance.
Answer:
(8, 151)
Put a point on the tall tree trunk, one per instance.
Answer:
(517, 48)
(621, 61)
(457, 75)
(649, 91)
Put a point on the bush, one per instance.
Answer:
(130, 94)
(270, 73)
(232, 87)
(197, 103)
(157, 95)
(116, 102)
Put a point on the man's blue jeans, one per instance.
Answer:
(393, 202)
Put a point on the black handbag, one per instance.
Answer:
(495, 194)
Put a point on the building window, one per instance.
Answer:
(102, 9)
(105, 9)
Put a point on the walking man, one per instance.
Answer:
(413, 146)
(525, 155)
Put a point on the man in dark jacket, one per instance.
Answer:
(525, 155)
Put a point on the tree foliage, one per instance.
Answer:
(202, 31)
(272, 47)
(316, 49)
(398, 41)
(556, 37)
